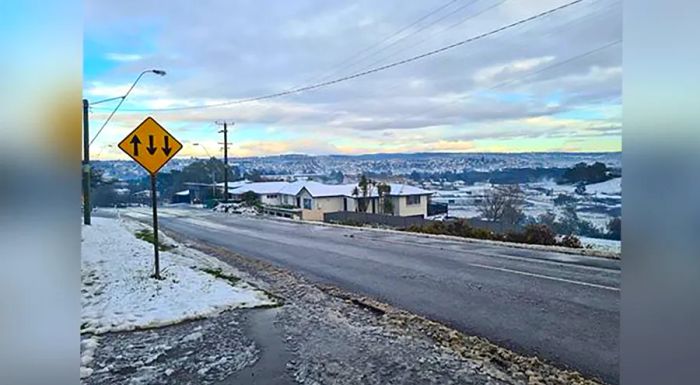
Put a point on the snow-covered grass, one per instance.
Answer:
(609, 187)
(602, 244)
(119, 294)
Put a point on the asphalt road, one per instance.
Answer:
(563, 308)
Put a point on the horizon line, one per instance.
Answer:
(394, 153)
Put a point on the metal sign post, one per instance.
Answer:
(154, 200)
(151, 146)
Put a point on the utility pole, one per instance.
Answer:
(86, 164)
(87, 142)
(225, 132)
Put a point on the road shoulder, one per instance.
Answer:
(340, 337)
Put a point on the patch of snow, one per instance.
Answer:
(87, 354)
(609, 187)
(119, 294)
(602, 244)
(235, 208)
(192, 337)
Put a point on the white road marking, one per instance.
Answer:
(545, 277)
(558, 263)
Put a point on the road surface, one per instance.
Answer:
(561, 307)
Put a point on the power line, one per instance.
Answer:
(357, 55)
(373, 70)
(569, 23)
(509, 81)
(515, 80)
(360, 59)
(400, 50)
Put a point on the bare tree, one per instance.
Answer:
(504, 204)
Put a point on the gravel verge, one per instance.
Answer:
(341, 338)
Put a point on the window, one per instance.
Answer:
(413, 200)
(271, 196)
(307, 203)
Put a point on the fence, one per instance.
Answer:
(351, 217)
(374, 219)
(436, 208)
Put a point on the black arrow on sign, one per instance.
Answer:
(151, 150)
(167, 148)
(135, 141)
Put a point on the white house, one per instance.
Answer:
(314, 199)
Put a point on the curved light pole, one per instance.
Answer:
(87, 142)
(122, 98)
(205, 149)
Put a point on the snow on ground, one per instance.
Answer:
(87, 353)
(235, 208)
(602, 244)
(609, 187)
(118, 293)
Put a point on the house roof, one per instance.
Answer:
(318, 190)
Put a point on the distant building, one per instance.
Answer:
(312, 199)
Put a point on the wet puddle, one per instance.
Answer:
(270, 368)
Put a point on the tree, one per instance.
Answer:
(336, 176)
(615, 228)
(581, 172)
(387, 206)
(250, 199)
(503, 204)
(96, 177)
(364, 186)
(569, 223)
(254, 176)
(200, 171)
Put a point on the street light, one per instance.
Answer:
(205, 149)
(87, 142)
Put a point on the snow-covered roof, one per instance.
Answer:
(232, 184)
(328, 190)
(263, 188)
(404, 189)
(318, 190)
(183, 192)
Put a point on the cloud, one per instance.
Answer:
(261, 50)
(123, 57)
(490, 74)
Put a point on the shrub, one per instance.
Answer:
(539, 234)
(536, 234)
(615, 228)
(571, 241)
(513, 236)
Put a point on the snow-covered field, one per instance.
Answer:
(602, 244)
(599, 203)
(119, 294)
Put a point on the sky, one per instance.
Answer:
(551, 84)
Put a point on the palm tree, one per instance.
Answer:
(365, 187)
(383, 190)
(355, 193)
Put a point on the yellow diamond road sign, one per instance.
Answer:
(150, 145)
